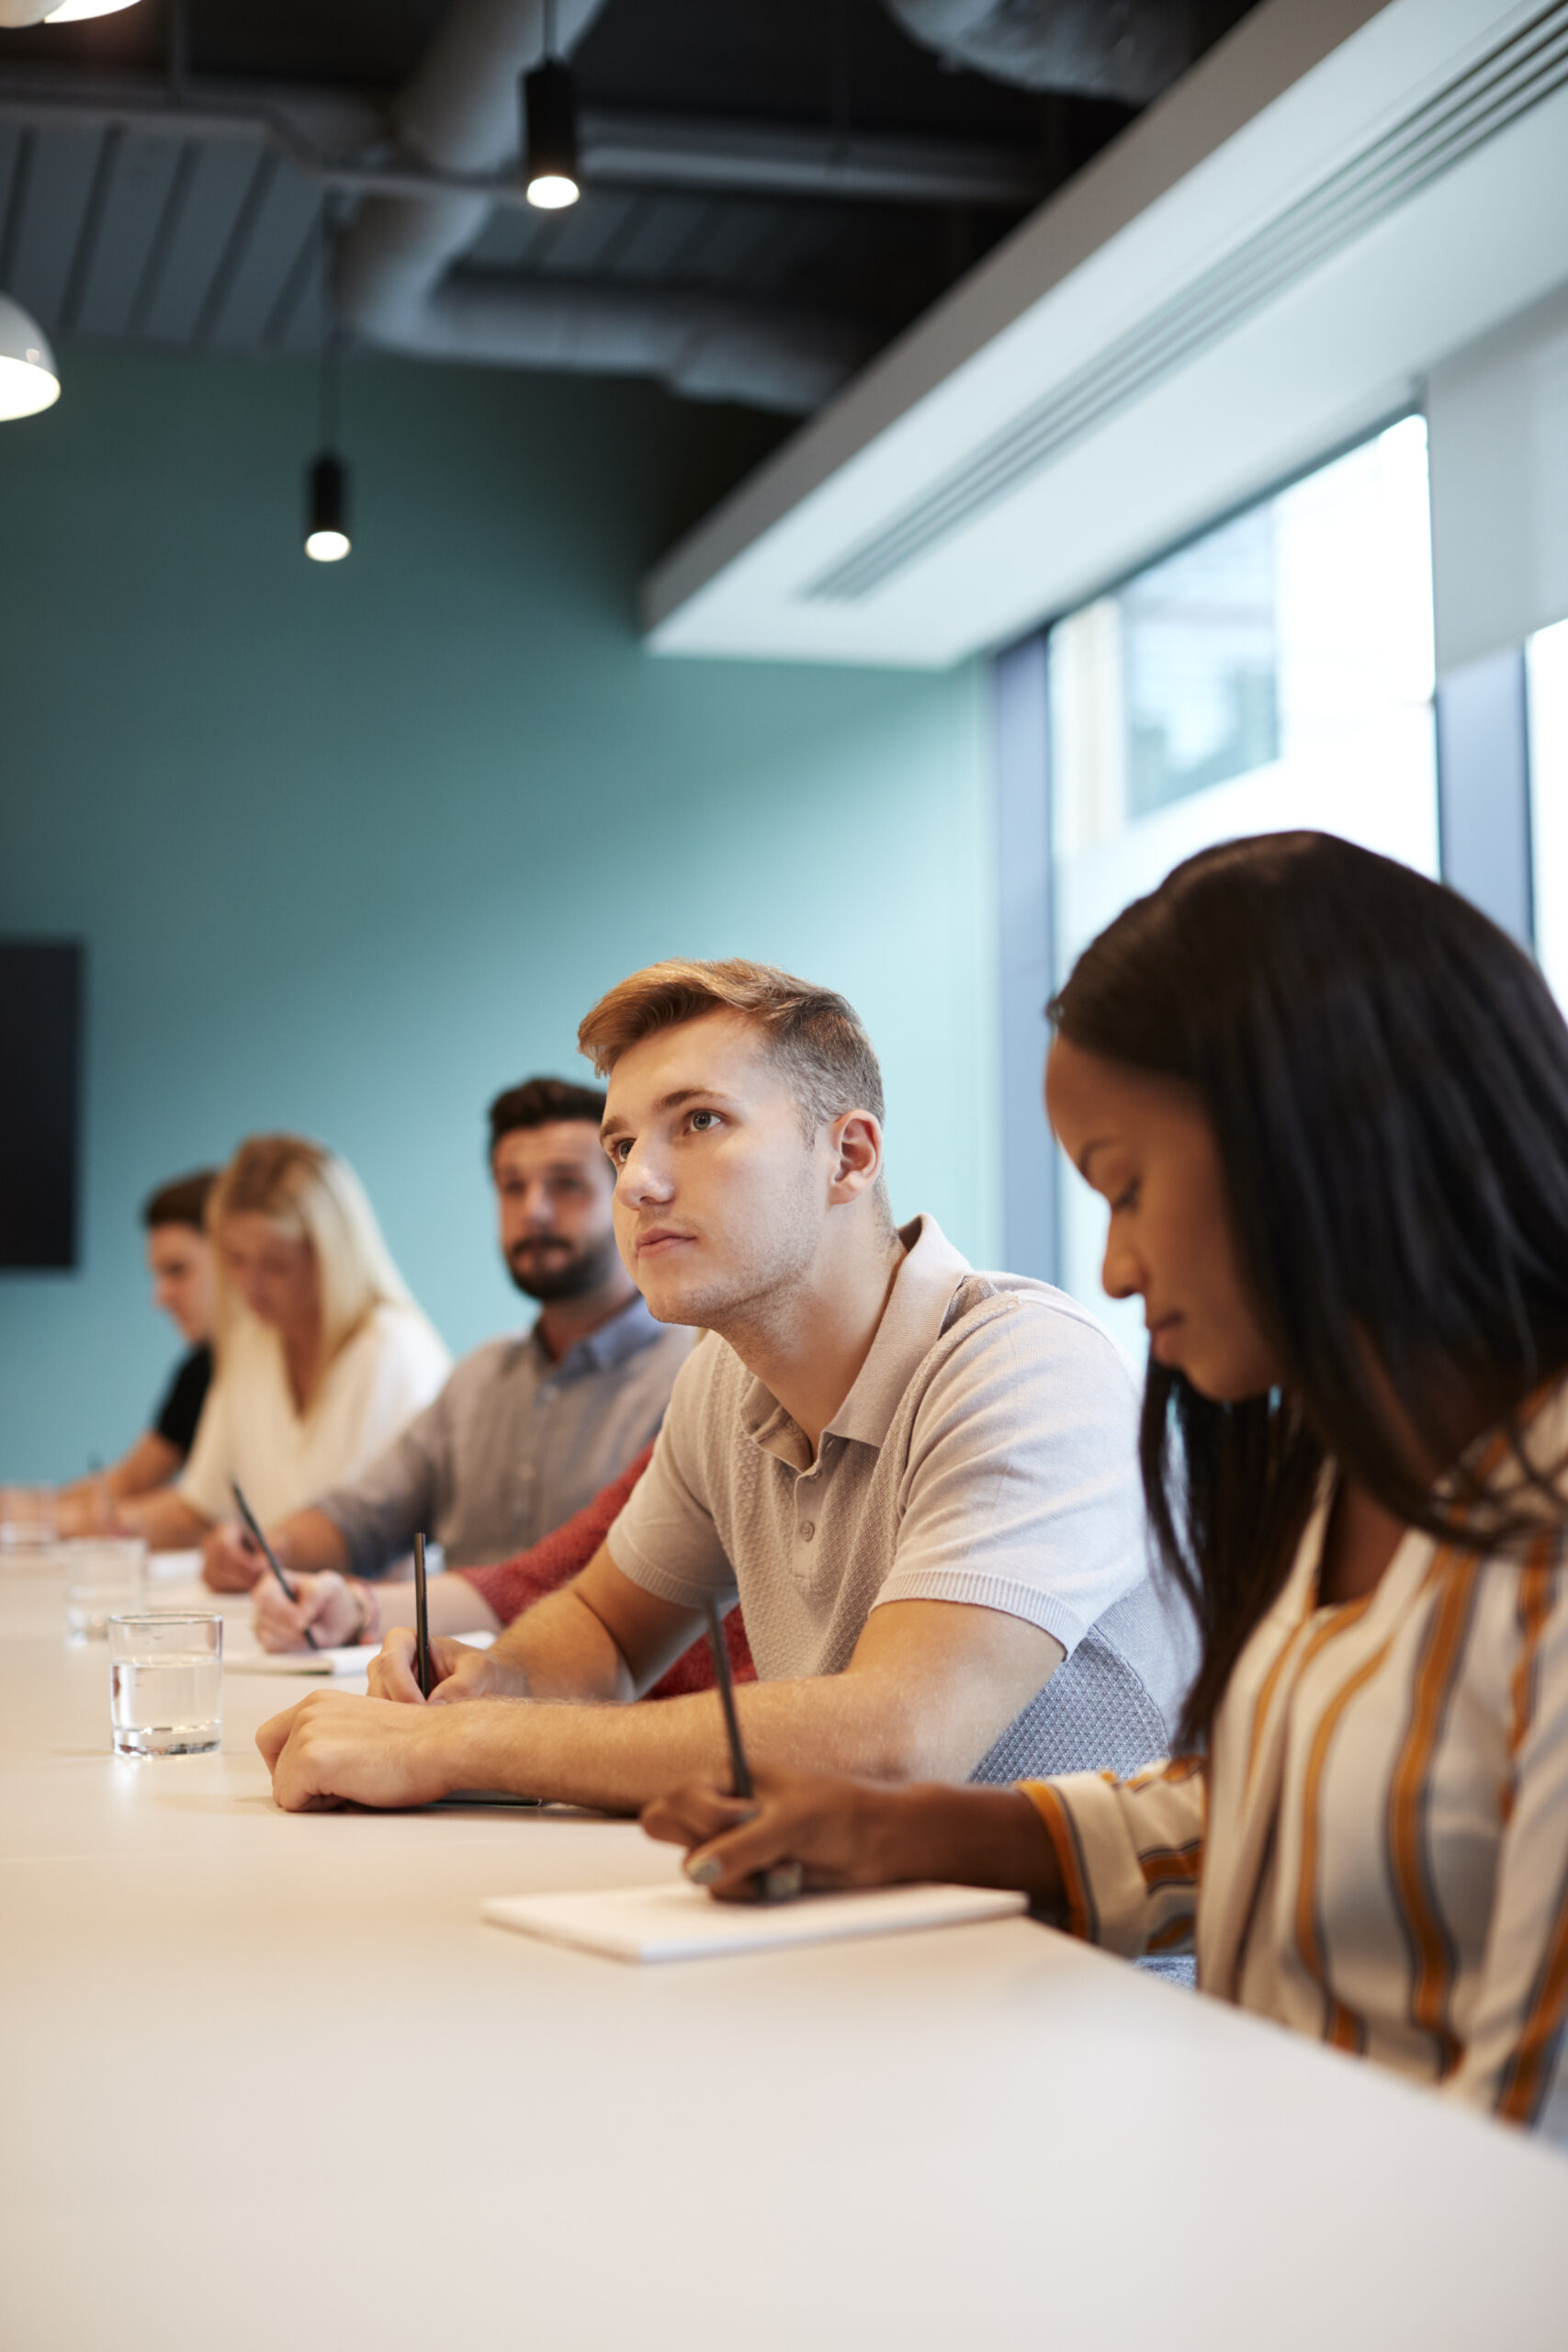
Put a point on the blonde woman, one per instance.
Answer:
(322, 1356)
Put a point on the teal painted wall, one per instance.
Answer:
(352, 847)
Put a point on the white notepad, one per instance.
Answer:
(354, 1660)
(321, 1662)
(173, 1567)
(679, 1921)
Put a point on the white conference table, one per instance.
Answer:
(268, 2081)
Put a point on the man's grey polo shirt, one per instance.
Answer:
(513, 1445)
(986, 1453)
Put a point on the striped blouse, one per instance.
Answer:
(1375, 1850)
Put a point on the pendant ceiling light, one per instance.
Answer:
(28, 378)
(16, 13)
(326, 476)
(549, 128)
(326, 511)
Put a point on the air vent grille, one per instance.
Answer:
(1494, 92)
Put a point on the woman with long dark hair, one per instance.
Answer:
(1327, 1104)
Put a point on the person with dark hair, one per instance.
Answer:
(179, 1259)
(1327, 1102)
(527, 1429)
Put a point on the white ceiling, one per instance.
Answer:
(1240, 283)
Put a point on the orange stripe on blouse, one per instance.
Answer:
(1534, 1608)
(1341, 2025)
(1173, 1866)
(1525, 2076)
(1059, 1829)
(1433, 1981)
(1266, 1690)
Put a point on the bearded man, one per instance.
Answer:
(529, 1428)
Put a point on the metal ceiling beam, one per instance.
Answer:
(341, 141)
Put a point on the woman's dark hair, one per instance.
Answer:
(1386, 1075)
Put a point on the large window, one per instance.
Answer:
(1546, 658)
(1276, 672)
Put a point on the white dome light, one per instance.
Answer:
(16, 13)
(552, 191)
(327, 547)
(28, 378)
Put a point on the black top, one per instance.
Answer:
(184, 1399)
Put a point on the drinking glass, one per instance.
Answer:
(103, 1576)
(166, 1684)
(28, 1520)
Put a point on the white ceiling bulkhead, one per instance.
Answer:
(1268, 262)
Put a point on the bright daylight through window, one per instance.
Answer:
(1545, 659)
(1276, 672)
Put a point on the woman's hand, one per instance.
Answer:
(230, 1561)
(858, 1833)
(327, 1603)
(840, 1833)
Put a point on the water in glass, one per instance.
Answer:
(166, 1683)
(166, 1706)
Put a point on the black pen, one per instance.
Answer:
(252, 1528)
(783, 1882)
(421, 1619)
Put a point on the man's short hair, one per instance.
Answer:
(813, 1033)
(183, 1200)
(539, 1103)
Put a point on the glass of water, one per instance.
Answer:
(103, 1576)
(29, 1519)
(166, 1684)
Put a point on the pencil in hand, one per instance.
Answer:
(420, 1621)
(252, 1528)
(783, 1881)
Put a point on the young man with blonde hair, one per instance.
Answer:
(919, 1481)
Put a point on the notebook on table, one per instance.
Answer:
(675, 1920)
(353, 1660)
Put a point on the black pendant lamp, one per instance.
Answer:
(326, 478)
(549, 128)
(326, 511)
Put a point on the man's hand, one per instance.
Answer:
(325, 1603)
(458, 1672)
(230, 1561)
(336, 1749)
(845, 1832)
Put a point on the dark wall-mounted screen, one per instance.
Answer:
(40, 1093)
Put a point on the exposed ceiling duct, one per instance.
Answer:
(337, 138)
(1130, 49)
(459, 113)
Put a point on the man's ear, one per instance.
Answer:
(855, 1140)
